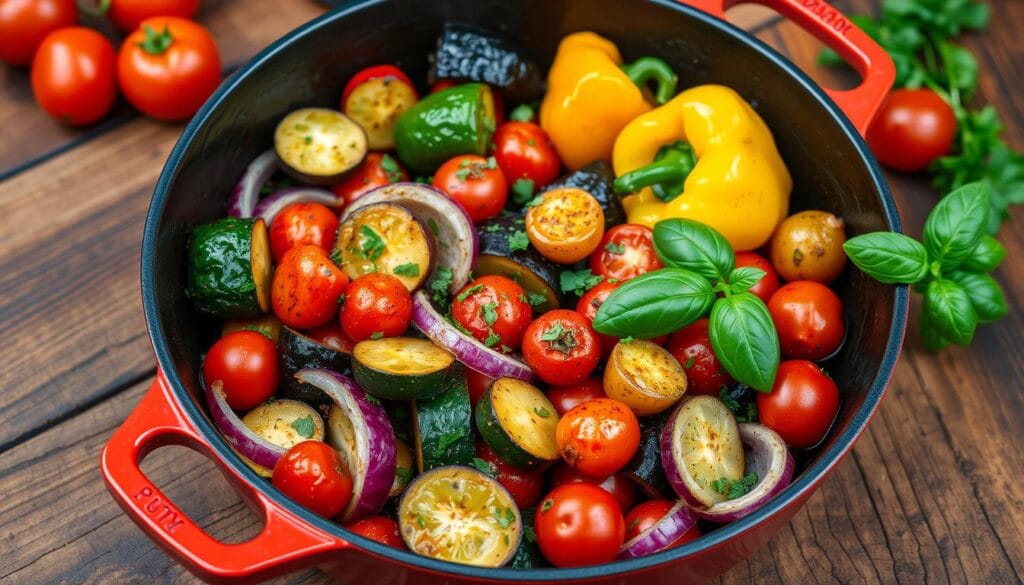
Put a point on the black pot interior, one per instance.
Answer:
(830, 168)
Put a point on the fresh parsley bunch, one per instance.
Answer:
(950, 267)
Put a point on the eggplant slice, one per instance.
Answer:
(468, 53)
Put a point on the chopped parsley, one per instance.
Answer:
(440, 284)
(744, 411)
(485, 467)
(304, 426)
(307, 139)
(504, 516)
(391, 169)
(489, 312)
(552, 333)
(627, 339)
(492, 339)
(410, 269)
(518, 241)
(546, 505)
(372, 245)
(536, 298)
(433, 226)
(376, 335)
(541, 411)
(521, 113)
(419, 520)
(469, 292)
(734, 489)
(689, 363)
(578, 281)
(404, 474)
(492, 163)
(614, 248)
(529, 534)
(522, 191)
(535, 201)
(336, 257)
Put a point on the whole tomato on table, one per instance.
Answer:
(476, 183)
(313, 474)
(306, 288)
(802, 404)
(579, 524)
(377, 170)
(245, 363)
(493, 310)
(302, 224)
(626, 251)
(524, 151)
(129, 14)
(376, 305)
(25, 23)
(561, 348)
(73, 75)
(168, 67)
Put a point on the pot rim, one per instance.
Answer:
(801, 488)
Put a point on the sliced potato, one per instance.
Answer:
(319, 145)
(644, 376)
(385, 238)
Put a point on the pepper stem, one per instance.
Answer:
(652, 69)
(156, 42)
(665, 176)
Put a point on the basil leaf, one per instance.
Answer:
(685, 243)
(932, 340)
(744, 277)
(888, 257)
(986, 256)
(985, 293)
(653, 304)
(954, 228)
(745, 341)
(951, 311)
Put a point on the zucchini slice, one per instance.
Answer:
(284, 423)
(319, 145)
(535, 273)
(401, 368)
(460, 515)
(518, 422)
(229, 268)
(295, 351)
(441, 427)
(644, 376)
(385, 238)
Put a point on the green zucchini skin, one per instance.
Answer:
(387, 385)
(441, 427)
(645, 468)
(494, 237)
(500, 441)
(457, 120)
(596, 178)
(528, 555)
(295, 351)
(220, 281)
(467, 53)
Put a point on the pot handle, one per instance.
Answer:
(286, 543)
(829, 26)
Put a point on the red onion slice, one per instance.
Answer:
(662, 535)
(247, 443)
(272, 204)
(457, 241)
(768, 457)
(467, 350)
(247, 192)
(372, 459)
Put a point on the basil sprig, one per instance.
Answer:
(699, 265)
(950, 267)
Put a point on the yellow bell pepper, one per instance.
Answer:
(591, 96)
(739, 184)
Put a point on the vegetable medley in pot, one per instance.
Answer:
(492, 365)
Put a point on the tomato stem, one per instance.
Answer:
(92, 8)
(157, 43)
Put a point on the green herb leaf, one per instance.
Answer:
(521, 113)
(522, 191)
(541, 411)
(984, 292)
(745, 341)
(536, 298)
(932, 340)
(304, 426)
(419, 520)
(440, 284)
(489, 313)
(546, 505)
(404, 474)
(410, 269)
(954, 228)
(492, 339)
(734, 489)
(465, 294)
(578, 282)
(744, 277)
(485, 467)
(614, 248)
(433, 226)
(504, 516)
(372, 245)
(689, 363)
(448, 439)
(888, 257)
(656, 303)
(951, 311)
(986, 257)
(518, 240)
(685, 243)
(392, 171)
(552, 333)
(376, 335)
(627, 340)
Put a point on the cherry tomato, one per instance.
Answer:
(129, 14)
(371, 73)
(245, 362)
(591, 301)
(566, 225)
(313, 474)
(493, 310)
(691, 345)
(579, 524)
(73, 75)
(377, 170)
(306, 288)
(477, 384)
(565, 398)
(809, 318)
(802, 404)
(378, 528)
(168, 67)
(25, 23)
(598, 437)
(769, 283)
(525, 487)
(618, 485)
(332, 336)
(376, 305)
(913, 128)
(626, 251)
(561, 348)
(476, 183)
(524, 151)
(647, 514)
(302, 224)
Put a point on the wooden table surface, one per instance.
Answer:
(931, 493)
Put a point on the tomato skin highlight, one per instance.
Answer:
(302, 224)
(313, 474)
(245, 362)
(525, 487)
(912, 129)
(769, 283)
(565, 398)
(598, 437)
(494, 297)
(524, 151)
(25, 23)
(469, 179)
(637, 256)
(127, 15)
(691, 345)
(74, 75)
(647, 514)
(618, 485)
(306, 288)
(378, 528)
(376, 305)
(579, 524)
(571, 353)
(332, 336)
(369, 175)
(802, 405)
(809, 319)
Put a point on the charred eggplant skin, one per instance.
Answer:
(495, 251)
(464, 52)
(645, 468)
(295, 351)
(596, 178)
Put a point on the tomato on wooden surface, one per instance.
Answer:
(25, 23)
(477, 183)
(74, 75)
(524, 151)
(626, 251)
(579, 524)
(376, 305)
(377, 170)
(302, 224)
(598, 437)
(129, 14)
(313, 474)
(306, 288)
(565, 398)
(691, 345)
(493, 309)
(802, 405)
(525, 487)
(618, 485)
(168, 67)
(565, 225)
(379, 528)
(769, 283)
(809, 319)
(647, 514)
(912, 129)
(245, 362)
(561, 348)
